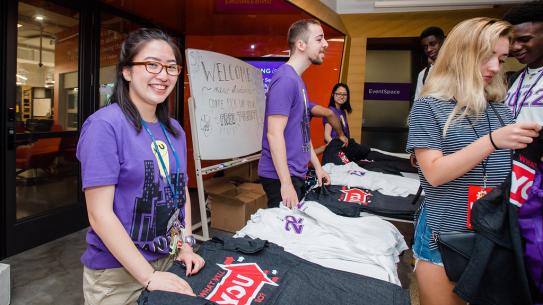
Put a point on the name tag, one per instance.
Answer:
(475, 193)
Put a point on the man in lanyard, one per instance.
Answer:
(431, 40)
(525, 96)
(286, 140)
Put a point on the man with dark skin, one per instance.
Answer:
(526, 92)
(525, 97)
(431, 40)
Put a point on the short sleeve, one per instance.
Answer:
(98, 153)
(418, 89)
(281, 96)
(310, 105)
(424, 129)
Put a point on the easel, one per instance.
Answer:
(242, 143)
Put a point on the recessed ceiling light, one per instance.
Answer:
(39, 17)
(252, 47)
(19, 25)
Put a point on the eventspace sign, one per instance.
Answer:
(387, 91)
(246, 6)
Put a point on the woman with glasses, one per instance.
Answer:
(134, 171)
(462, 136)
(340, 105)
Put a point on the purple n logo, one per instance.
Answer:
(294, 223)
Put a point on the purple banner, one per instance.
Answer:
(268, 68)
(387, 91)
(247, 6)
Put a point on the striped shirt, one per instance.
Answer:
(447, 205)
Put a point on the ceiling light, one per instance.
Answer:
(39, 17)
(336, 39)
(438, 3)
(274, 55)
(252, 47)
(21, 77)
(19, 25)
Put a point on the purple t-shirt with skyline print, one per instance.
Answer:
(112, 152)
(287, 95)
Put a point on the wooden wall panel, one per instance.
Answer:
(321, 12)
(363, 26)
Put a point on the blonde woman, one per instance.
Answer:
(462, 138)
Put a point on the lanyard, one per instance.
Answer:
(485, 161)
(175, 191)
(517, 108)
(343, 121)
(305, 125)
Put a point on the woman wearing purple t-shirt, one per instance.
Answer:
(134, 174)
(340, 105)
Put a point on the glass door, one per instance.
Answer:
(43, 185)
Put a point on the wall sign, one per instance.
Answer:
(238, 6)
(387, 91)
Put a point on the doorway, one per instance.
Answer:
(392, 66)
(41, 198)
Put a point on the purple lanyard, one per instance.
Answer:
(517, 108)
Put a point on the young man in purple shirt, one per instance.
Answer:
(286, 142)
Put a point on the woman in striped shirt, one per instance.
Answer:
(462, 140)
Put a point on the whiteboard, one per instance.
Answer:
(41, 107)
(229, 104)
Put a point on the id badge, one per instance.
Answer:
(475, 193)
(173, 220)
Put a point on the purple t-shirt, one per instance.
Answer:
(286, 97)
(342, 117)
(112, 152)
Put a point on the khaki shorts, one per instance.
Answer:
(115, 286)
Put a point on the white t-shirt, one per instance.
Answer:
(366, 245)
(530, 96)
(351, 175)
(420, 81)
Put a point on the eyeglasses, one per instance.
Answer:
(155, 67)
(341, 94)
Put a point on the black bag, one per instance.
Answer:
(456, 249)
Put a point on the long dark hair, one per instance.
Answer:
(345, 106)
(135, 41)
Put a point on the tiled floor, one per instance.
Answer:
(48, 274)
(51, 273)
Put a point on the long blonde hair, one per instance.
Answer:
(456, 73)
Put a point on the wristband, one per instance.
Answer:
(149, 282)
(492, 141)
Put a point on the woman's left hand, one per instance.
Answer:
(322, 177)
(193, 262)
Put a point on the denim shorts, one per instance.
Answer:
(421, 247)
